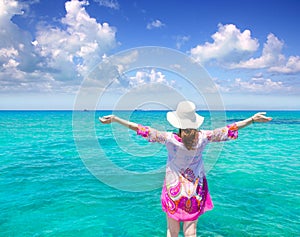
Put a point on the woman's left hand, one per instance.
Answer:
(261, 118)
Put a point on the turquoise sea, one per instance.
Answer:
(47, 188)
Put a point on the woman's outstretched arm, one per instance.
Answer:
(112, 118)
(256, 118)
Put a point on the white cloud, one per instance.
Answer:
(271, 55)
(17, 57)
(228, 42)
(272, 59)
(258, 85)
(80, 45)
(8, 52)
(20, 48)
(58, 56)
(155, 24)
(145, 77)
(232, 48)
(8, 9)
(291, 66)
(11, 64)
(109, 3)
(142, 77)
(255, 85)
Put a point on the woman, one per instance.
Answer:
(185, 194)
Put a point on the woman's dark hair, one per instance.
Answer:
(189, 137)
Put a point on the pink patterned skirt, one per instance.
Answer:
(182, 208)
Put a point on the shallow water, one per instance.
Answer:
(47, 189)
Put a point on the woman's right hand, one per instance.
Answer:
(107, 119)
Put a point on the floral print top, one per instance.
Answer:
(185, 193)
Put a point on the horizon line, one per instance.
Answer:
(140, 110)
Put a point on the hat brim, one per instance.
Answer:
(177, 122)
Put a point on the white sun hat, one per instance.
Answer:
(185, 116)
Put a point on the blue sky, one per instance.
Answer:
(250, 48)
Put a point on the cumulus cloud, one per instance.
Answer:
(15, 43)
(155, 24)
(272, 59)
(8, 52)
(228, 42)
(257, 84)
(271, 55)
(10, 64)
(77, 47)
(292, 65)
(57, 53)
(233, 49)
(142, 77)
(17, 55)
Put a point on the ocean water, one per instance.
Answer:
(48, 184)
